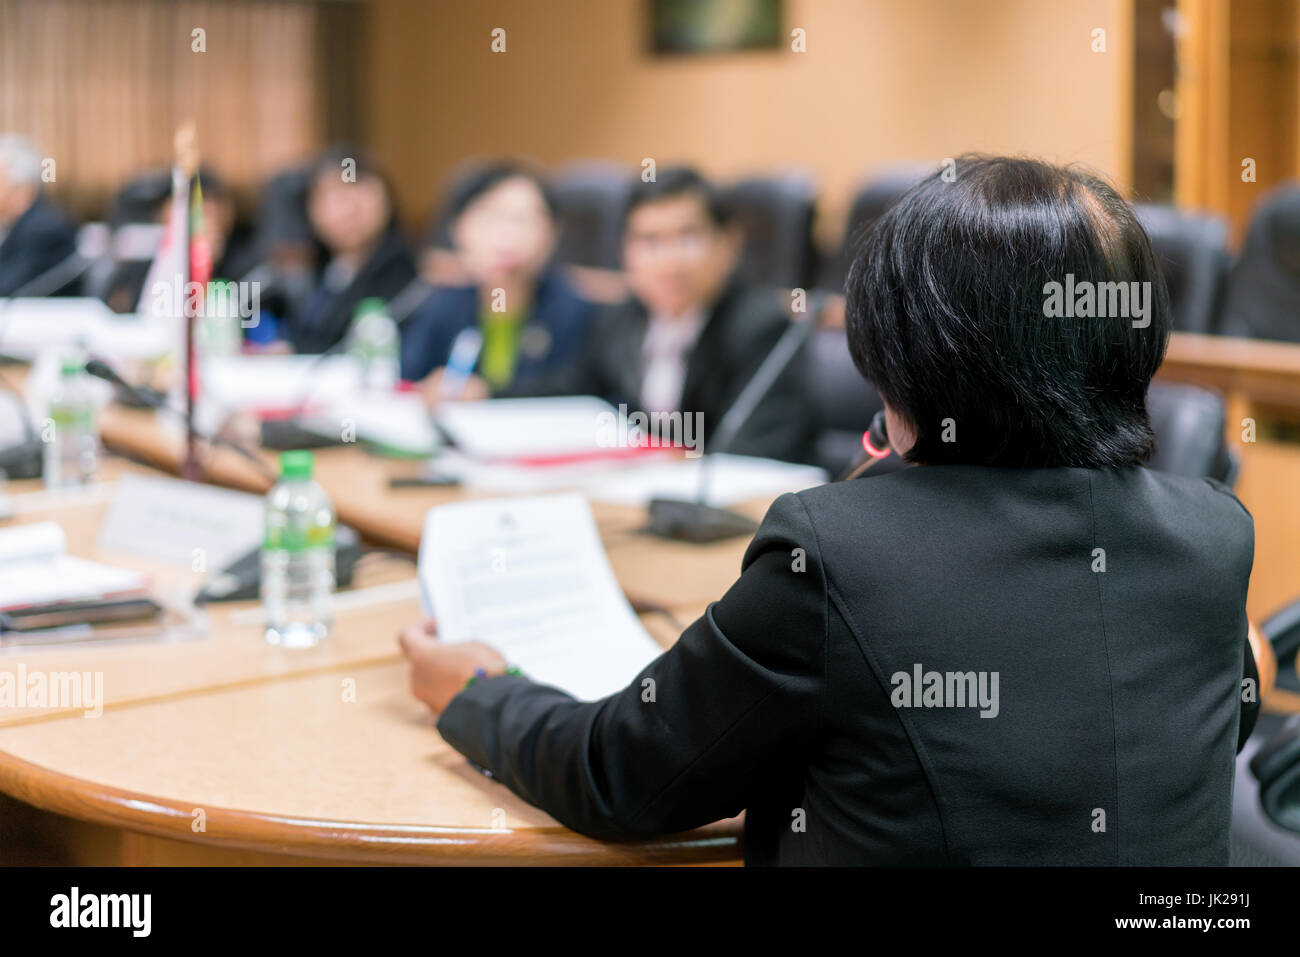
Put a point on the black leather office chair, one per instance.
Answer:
(1188, 420)
(590, 198)
(138, 200)
(1192, 250)
(1189, 423)
(1266, 793)
(872, 201)
(283, 208)
(1262, 298)
(776, 216)
(844, 402)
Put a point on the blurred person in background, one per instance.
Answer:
(362, 253)
(233, 253)
(504, 230)
(692, 335)
(35, 236)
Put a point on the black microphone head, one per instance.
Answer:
(102, 370)
(875, 441)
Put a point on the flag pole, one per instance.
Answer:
(187, 160)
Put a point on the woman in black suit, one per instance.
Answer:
(1024, 649)
(362, 252)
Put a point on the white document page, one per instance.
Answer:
(34, 326)
(517, 428)
(279, 382)
(730, 479)
(34, 569)
(529, 576)
(399, 421)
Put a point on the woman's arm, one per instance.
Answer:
(693, 739)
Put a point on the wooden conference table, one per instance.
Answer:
(224, 750)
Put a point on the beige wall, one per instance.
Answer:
(882, 81)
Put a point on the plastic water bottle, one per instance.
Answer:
(375, 342)
(220, 332)
(297, 556)
(71, 440)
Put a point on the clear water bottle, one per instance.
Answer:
(297, 556)
(71, 439)
(375, 342)
(220, 331)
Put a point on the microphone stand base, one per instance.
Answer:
(694, 522)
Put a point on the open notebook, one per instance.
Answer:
(36, 569)
(529, 576)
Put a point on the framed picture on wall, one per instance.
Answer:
(714, 26)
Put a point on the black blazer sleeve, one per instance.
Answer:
(694, 738)
(1249, 708)
(38, 241)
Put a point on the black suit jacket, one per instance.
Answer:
(39, 239)
(1118, 707)
(323, 319)
(737, 335)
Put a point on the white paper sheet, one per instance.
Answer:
(34, 569)
(236, 383)
(731, 478)
(400, 422)
(29, 327)
(519, 428)
(530, 577)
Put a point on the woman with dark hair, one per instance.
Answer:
(362, 253)
(1025, 649)
(528, 319)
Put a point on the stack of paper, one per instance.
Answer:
(35, 569)
(324, 394)
(34, 326)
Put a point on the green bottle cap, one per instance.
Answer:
(297, 464)
(371, 304)
(71, 366)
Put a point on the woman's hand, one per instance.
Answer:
(431, 388)
(439, 672)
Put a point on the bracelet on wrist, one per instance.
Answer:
(482, 673)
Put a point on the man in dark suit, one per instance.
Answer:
(34, 235)
(692, 336)
(1024, 649)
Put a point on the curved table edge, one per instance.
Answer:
(351, 842)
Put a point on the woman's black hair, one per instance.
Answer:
(483, 179)
(363, 166)
(1013, 314)
(331, 162)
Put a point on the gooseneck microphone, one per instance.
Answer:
(697, 521)
(102, 370)
(875, 447)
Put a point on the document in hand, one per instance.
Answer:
(529, 576)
